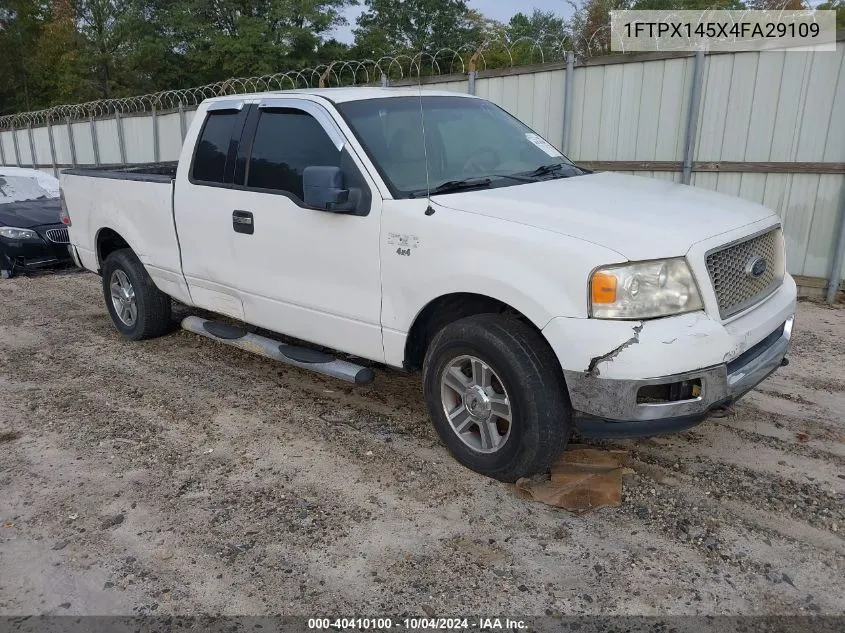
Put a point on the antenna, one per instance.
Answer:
(430, 209)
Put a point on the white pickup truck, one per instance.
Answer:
(434, 231)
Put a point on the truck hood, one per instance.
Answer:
(639, 218)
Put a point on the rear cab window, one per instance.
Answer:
(214, 156)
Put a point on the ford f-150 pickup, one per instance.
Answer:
(434, 231)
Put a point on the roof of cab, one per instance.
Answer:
(342, 95)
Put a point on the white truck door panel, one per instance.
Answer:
(307, 273)
(204, 207)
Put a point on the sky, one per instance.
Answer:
(501, 10)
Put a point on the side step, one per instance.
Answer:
(303, 357)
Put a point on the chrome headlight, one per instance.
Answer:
(12, 233)
(643, 290)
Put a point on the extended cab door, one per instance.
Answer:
(309, 273)
(203, 203)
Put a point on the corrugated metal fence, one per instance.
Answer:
(766, 126)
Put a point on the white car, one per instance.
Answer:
(434, 231)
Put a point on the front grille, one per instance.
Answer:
(58, 236)
(735, 284)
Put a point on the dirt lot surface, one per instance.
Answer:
(181, 476)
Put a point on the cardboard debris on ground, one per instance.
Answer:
(582, 479)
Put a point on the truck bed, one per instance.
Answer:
(136, 203)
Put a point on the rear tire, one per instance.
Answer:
(139, 310)
(505, 370)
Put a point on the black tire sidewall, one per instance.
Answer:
(514, 370)
(129, 263)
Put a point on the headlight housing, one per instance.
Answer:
(643, 290)
(12, 233)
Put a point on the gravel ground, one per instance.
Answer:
(180, 476)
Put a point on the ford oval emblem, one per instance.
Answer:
(755, 267)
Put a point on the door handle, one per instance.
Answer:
(242, 222)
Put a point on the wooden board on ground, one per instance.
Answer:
(582, 479)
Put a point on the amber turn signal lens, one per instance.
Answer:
(603, 288)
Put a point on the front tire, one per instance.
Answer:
(139, 310)
(496, 396)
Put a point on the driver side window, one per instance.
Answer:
(286, 142)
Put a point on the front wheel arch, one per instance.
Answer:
(446, 309)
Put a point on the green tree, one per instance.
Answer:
(40, 52)
(55, 58)
(20, 28)
(66, 51)
(539, 26)
(154, 57)
(533, 38)
(252, 37)
(839, 7)
(590, 25)
(107, 35)
(415, 25)
(483, 27)
(332, 50)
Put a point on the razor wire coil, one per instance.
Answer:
(395, 66)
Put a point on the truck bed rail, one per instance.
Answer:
(149, 172)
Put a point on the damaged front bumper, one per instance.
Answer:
(666, 375)
(618, 410)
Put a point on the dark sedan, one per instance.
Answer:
(32, 235)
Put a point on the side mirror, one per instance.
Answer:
(323, 188)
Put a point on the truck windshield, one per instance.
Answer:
(466, 140)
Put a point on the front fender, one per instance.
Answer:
(541, 274)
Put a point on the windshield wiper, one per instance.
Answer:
(456, 185)
(543, 170)
(517, 177)
(554, 168)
